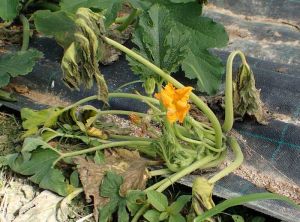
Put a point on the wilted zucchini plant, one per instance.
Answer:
(81, 148)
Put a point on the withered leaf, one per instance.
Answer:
(246, 98)
(81, 58)
(125, 163)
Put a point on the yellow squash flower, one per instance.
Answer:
(175, 101)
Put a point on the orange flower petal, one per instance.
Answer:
(175, 101)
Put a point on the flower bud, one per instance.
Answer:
(149, 85)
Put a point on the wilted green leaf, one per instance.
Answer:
(247, 97)
(9, 9)
(39, 168)
(17, 63)
(58, 24)
(158, 41)
(157, 200)
(30, 144)
(202, 195)
(33, 119)
(80, 61)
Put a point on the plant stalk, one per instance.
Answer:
(101, 147)
(26, 32)
(229, 113)
(239, 157)
(200, 104)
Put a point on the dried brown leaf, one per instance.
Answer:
(126, 163)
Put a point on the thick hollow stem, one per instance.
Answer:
(26, 32)
(239, 157)
(229, 114)
(101, 147)
(199, 103)
(121, 112)
(113, 95)
(160, 172)
(194, 166)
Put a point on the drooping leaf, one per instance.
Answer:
(247, 97)
(38, 165)
(202, 195)
(25, 61)
(158, 41)
(9, 9)
(33, 119)
(157, 200)
(80, 61)
(58, 24)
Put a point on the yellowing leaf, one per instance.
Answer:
(34, 119)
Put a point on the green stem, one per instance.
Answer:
(140, 212)
(112, 95)
(131, 138)
(241, 200)
(194, 166)
(160, 172)
(133, 96)
(239, 157)
(129, 19)
(101, 147)
(127, 84)
(229, 113)
(26, 32)
(199, 103)
(121, 112)
(189, 140)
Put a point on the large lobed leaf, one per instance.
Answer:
(184, 19)
(17, 63)
(9, 9)
(158, 41)
(36, 161)
(47, 22)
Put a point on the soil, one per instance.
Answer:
(43, 98)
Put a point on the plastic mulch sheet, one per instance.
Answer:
(271, 152)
